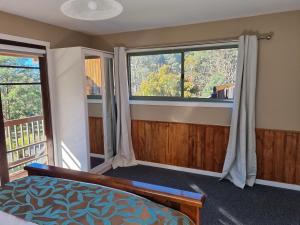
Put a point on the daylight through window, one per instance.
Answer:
(185, 74)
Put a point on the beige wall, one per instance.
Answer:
(278, 104)
(58, 37)
(95, 110)
(183, 114)
(278, 92)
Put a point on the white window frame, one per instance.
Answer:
(196, 103)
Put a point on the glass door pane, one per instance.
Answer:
(93, 73)
(22, 112)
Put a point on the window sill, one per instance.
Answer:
(182, 103)
(172, 103)
(93, 101)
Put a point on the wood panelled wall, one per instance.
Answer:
(187, 145)
(278, 155)
(96, 135)
(204, 147)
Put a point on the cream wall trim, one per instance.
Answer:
(184, 46)
(50, 79)
(178, 168)
(91, 52)
(179, 103)
(24, 40)
(172, 103)
(97, 155)
(11, 48)
(218, 175)
(94, 101)
(278, 184)
(103, 168)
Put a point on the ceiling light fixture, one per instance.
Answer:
(91, 9)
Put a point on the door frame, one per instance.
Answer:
(4, 176)
(46, 100)
(47, 86)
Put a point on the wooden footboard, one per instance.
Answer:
(189, 203)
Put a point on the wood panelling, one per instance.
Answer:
(204, 147)
(149, 135)
(178, 144)
(298, 162)
(96, 135)
(277, 153)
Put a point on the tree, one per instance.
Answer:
(19, 101)
(159, 75)
(161, 83)
(209, 68)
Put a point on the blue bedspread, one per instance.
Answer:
(51, 201)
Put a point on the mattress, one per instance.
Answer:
(51, 201)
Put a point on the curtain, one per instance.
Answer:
(125, 154)
(240, 165)
(109, 112)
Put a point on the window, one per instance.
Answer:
(25, 120)
(198, 74)
(93, 77)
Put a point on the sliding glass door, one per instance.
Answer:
(25, 123)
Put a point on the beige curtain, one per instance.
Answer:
(240, 162)
(125, 154)
(109, 106)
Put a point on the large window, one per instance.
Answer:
(198, 74)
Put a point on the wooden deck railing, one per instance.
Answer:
(25, 143)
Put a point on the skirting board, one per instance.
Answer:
(97, 155)
(215, 174)
(103, 168)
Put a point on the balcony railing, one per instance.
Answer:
(25, 143)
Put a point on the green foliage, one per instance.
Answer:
(159, 75)
(215, 80)
(19, 101)
(162, 83)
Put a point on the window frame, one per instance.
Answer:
(182, 51)
(46, 109)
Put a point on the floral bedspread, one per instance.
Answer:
(51, 201)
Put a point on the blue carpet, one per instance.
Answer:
(226, 204)
(96, 162)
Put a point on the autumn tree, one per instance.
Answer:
(159, 75)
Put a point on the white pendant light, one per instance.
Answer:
(91, 9)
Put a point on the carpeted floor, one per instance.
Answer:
(225, 203)
(96, 162)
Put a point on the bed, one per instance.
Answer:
(52, 195)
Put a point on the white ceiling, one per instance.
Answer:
(146, 14)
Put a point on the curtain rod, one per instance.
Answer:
(260, 36)
(265, 36)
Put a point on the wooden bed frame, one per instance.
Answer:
(189, 203)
